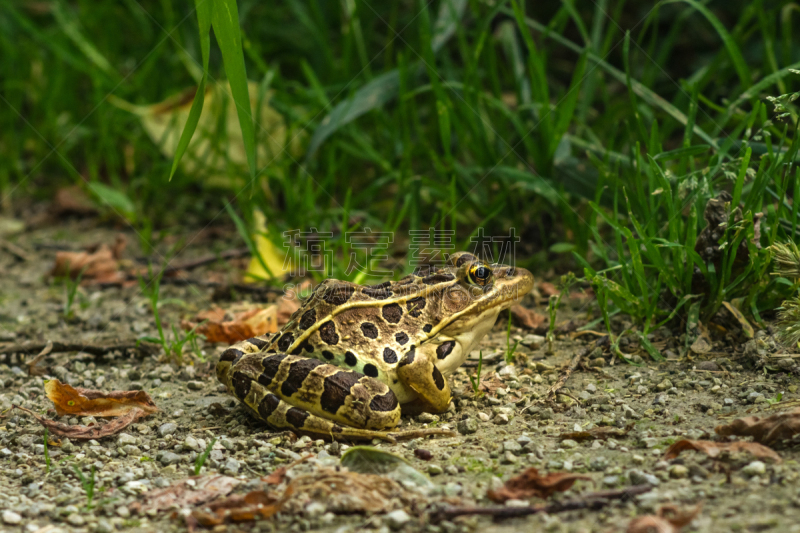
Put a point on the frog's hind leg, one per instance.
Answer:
(416, 370)
(342, 396)
(234, 354)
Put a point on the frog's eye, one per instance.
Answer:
(480, 275)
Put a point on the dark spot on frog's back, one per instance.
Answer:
(296, 417)
(415, 306)
(327, 355)
(427, 328)
(327, 332)
(389, 355)
(337, 294)
(392, 313)
(260, 343)
(308, 319)
(465, 258)
(369, 330)
(408, 358)
(401, 338)
(268, 405)
(439, 277)
(384, 402)
(377, 294)
(336, 388)
(231, 354)
(271, 364)
(285, 341)
(350, 358)
(241, 384)
(371, 370)
(298, 372)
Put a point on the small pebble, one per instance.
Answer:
(75, 520)
(678, 472)
(194, 385)
(467, 427)
(167, 428)
(11, 518)
(509, 458)
(756, 468)
(397, 519)
(425, 455)
(435, 470)
(501, 419)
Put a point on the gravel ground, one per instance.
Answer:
(497, 435)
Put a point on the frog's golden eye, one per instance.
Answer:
(480, 275)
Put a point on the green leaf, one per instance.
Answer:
(225, 20)
(203, 8)
(730, 43)
(115, 199)
(562, 247)
(649, 348)
(385, 87)
(680, 153)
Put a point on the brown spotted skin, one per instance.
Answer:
(352, 355)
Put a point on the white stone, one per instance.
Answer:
(397, 519)
(11, 518)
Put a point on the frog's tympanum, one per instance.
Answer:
(352, 357)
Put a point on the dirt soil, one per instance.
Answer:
(498, 434)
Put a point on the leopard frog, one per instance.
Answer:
(353, 357)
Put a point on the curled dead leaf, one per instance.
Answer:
(242, 321)
(702, 344)
(187, 492)
(767, 430)
(668, 520)
(88, 432)
(69, 400)
(99, 264)
(237, 508)
(714, 449)
(530, 484)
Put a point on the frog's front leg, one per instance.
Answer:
(418, 372)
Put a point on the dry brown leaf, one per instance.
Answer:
(668, 520)
(241, 322)
(530, 484)
(713, 449)
(488, 385)
(346, 492)
(88, 432)
(702, 344)
(525, 318)
(767, 430)
(99, 265)
(547, 289)
(72, 200)
(69, 400)
(33, 368)
(252, 506)
(187, 492)
(599, 432)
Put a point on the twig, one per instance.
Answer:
(593, 501)
(208, 259)
(14, 250)
(28, 348)
(565, 374)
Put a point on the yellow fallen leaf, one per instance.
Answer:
(207, 154)
(273, 257)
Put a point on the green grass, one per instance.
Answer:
(87, 483)
(598, 130)
(475, 380)
(201, 459)
(46, 450)
(172, 345)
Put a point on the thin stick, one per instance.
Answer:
(28, 348)
(593, 500)
(208, 259)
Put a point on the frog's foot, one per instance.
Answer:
(417, 372)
